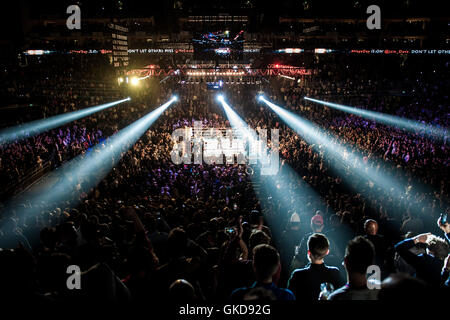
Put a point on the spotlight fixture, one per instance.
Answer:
(134, 81)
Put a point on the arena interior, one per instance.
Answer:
(128, 170)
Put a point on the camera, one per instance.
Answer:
(230, 231)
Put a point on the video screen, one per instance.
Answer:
(221, 45)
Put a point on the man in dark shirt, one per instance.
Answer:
(359, 255)
(445, 274)
(290, 238)
(371, 230)
(305, 283)
(300, 259)
(266, 262)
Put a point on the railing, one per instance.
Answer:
(26, 181)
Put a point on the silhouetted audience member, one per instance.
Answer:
(181, 291)
(445, 275)
(378, 241)
(359, 255)
(100, 284)
(300, 259)
(428, 266)
(17, 277)
(179, 266)
(11, 236)
(305, 283)
(260, 295)
(189, 212)
(405, 288)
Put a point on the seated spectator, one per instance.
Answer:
(305, 283)
(359, 255)
(266, 262)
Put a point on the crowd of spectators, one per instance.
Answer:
(152, 230)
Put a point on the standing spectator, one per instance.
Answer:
(404, 287)
(428, 266)
(300, 259)
(412, 224)
(305, 283)
(371, 233)
(290, 238)
(359, 255)
(182, 291)
(401, 265)
(266, 262)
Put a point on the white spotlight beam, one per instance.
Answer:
(236, 121)
(373, 173)
(38, 126)
(286, 187)
(398, 122)
(92, 167)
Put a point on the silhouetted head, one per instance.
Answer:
(181, 291)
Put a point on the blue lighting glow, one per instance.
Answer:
(285, 187)
(398, 122)
(35, 127)
(67, 183)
